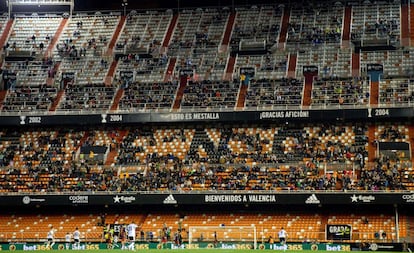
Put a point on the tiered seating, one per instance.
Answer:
(210, 94)
(390, 170)
(29, 91)
(147, 70)
(139, 144)
(148, 96)
(298, 226)
(257, 24)
(379, 22)
(340, 92)
(87, 97)
(397, 91)
(233, 157)
(88, 71)
(315, 24)
(27, 99)
(8, 142)
(342, 144)
(33, 33)
(331, 60)
(270, 66)
(82, 45)
(364, 227)
(250, 141)
(274, 93)
(392, 132)
(35, 227)
(143, 34)
(44, 160)
(396, 63)
(196, 40)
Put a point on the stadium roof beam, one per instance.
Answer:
(69, 3)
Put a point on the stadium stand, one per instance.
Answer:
(198, 60)
(300, 226)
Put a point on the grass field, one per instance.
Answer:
(188, 251)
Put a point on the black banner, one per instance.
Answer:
(186, 72)
(311, 69)
(141, 198)
(9, 75)
(68, 75)
(375, 67)
(9, 79)
(211, 116)
(338, 232)
(248, 71)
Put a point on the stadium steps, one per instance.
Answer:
(356, 63)
(410, 228)
(116, 34)
(56, 37)
(170, 32)
(3, 95)
(56, 102)
(307, 91)
(110, 75)
(411, 24)
(284, 28)
(291, 73)
(371, 146)
(180, 93)
(346, 32)
(411, 135)
(405, 32)
(373, 98)
(6, 32)
(227, 33)
(117, 98)
(241, 98)
(230, 68)
(170, 69)
(114, 151)
(51, 80)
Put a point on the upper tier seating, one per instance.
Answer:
(396, 63)
(33, 33)
(196, 40)
(209, 94)
(257, 24)
(143, 34)
(274, 93)
(340, 92)
(87, 97)
(269, 66)
(331, 60)
(82, 46)
(397, 91)
(376, 24)
(315, 24)
(151, 96)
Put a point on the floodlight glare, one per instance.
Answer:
(12, 3)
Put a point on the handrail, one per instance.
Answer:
(407, 104)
